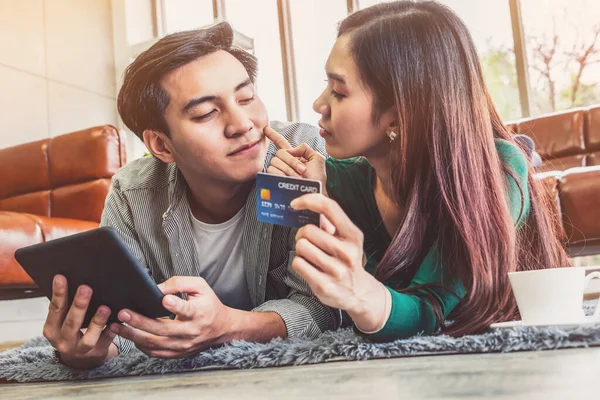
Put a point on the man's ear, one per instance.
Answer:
(159, 145)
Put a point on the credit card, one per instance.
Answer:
(274, 194)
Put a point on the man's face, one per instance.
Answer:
(215, 120)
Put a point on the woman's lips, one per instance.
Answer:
(324, 132)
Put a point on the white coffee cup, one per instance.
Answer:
(552, 296)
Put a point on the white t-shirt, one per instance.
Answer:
(220, 254)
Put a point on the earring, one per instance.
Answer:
(392, 135)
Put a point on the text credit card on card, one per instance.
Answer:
(274, 194)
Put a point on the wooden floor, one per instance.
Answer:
(560, 374)
(9, 345)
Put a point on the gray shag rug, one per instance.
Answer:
(32, 361)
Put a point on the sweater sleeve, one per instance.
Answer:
(412, 313)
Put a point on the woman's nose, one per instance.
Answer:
(321, 107)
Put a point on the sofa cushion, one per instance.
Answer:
(563, 163)
(556, 135)
(83, 156)
(24, 169)
(67, 176)
(579, 203)
(593, 159)
(80, 201)
(20, 230)
(592, 129)
(37, 203)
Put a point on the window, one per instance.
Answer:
(243, 16)
(562, 42)
(490, 26)
(182, 15)
(139, 27)
(314, 30)
(369, 3)
(562, 38)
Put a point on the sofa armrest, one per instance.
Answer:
(19, 230)
(579, 201)
(549, 185)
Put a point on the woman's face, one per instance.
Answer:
(346, 107)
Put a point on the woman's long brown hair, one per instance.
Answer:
(446, 172)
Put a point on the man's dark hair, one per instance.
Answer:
(142, 100)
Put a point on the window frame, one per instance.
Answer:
(287, 46)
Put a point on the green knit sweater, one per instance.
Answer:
(350, 183)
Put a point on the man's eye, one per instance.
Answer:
(247, 101)
(205, 116)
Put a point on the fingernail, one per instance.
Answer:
(293, 204)
(169, 301)
(85, 291)
(301, 168)
(114, 328)
(161, 286)
(61, 280)
(124, 316)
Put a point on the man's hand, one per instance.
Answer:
(63, 328)
(301, 161)
(201, 321)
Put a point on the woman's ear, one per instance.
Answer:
(392, 130)
(389, 123)
(159, 145)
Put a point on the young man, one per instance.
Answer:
(188, 213)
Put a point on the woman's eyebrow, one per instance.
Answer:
(336, 77)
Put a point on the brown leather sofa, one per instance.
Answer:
(52, 188)
(569, 144)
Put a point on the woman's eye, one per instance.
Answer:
(247, 101)
(205, 116)
(337, 95)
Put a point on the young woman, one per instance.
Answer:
(425, 225)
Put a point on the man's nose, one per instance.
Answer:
(238, 123)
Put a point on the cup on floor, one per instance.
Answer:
(552, 296)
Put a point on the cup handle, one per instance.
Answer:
(589, 277)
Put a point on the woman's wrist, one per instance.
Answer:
(372, 308)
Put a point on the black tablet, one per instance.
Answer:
(97, 258)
